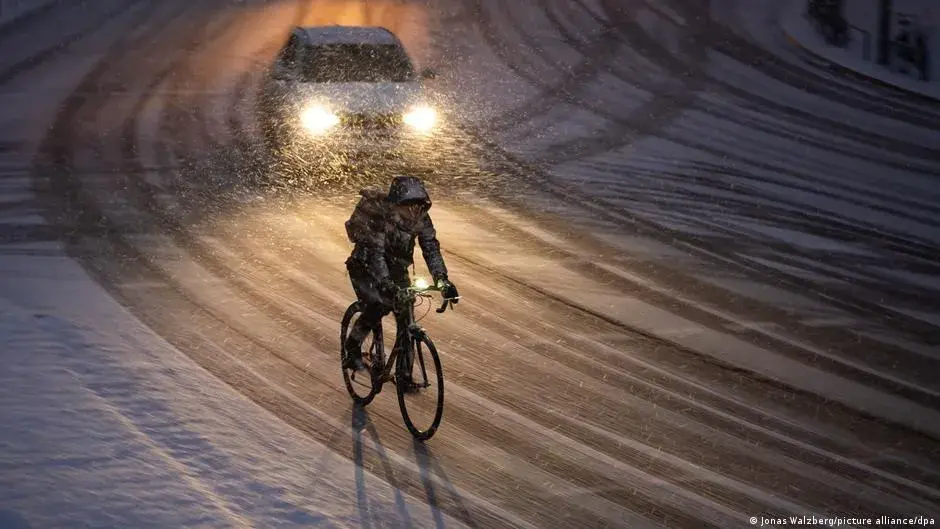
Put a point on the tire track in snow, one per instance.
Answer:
(598, 51)
(584, 148)
(38, 58)
(860, 234)
(609, 210)
(668, 101)
(725, 41)
(599, 55)
(686, 70)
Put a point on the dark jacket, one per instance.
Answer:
(385, 244)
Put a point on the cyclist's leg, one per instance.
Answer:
(401, 323)
(370, 317)
(373, 309)
(401, 318)
(401, 326)
(400, 278)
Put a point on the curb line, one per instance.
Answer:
(814, 58)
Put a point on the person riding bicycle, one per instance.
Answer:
(383, 227)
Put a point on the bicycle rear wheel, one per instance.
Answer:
(361, 386)
(422, 409)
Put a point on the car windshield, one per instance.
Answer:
(356, 63)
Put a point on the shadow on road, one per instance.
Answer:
(13, 520)
(360, 422)
(429, 468)
(431, 474)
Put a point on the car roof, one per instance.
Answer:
(317, 35)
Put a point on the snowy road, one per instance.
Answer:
(700, 281)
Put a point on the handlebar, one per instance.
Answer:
(447, 301)
(424, 292)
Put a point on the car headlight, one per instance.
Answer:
(318, 119)
(422, 118)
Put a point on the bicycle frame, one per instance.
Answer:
(411, 332)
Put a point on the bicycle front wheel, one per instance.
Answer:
(422, 403)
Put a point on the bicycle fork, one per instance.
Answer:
(414, 343)
(409, 339)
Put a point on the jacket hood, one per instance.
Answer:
(408, 189)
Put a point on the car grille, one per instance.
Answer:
(371, 121)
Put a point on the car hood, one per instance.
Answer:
(364, 98)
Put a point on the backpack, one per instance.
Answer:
(368, 215)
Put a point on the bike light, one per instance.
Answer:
(421, 118)
(318, 119)
(421, 283)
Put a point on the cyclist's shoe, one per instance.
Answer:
(353, 358)
(354, 363)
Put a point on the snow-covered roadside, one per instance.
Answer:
(799, 31)
(107, 425)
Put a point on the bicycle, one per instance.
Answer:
(399, 365)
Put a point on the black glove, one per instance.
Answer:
(448, 290)
(398, 295)
(387, 287)
(402, 298)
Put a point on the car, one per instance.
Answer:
(340, 91)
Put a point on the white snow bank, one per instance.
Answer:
(862, 13)
(107, 425)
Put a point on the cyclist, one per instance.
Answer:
(383, 228)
